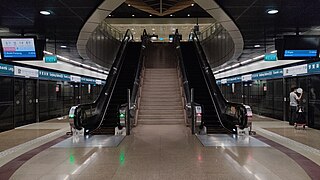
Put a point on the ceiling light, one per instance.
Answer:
(153, 29)
(192, 4)
(150, 15)
(272, 11)
(273, 51)
(257, 46)
(46, 13)
(132, 29)
(132, 15)
(110, 15)
(63, 46)
(129, 4)
(188, 14)
(171, 15)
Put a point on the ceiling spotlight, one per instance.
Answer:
(153, 29)
(46, 13)
(129, 4)
(171, 15)
(272, 11)
(132, 29)
(132, 15)
(110, 15)
(192, 4)
(63, 46)
(257, 46)
(150, 15)
(188, 15)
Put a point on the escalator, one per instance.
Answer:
(218, 115)
(101, 116)
(119, 96)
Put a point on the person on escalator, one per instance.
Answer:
(120, 130)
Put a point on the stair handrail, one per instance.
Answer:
(185, 83)
(236, 111)
(90, 114)
(137, 82)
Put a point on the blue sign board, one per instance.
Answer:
(50, 59)
(270, 57)
(6, 70)
(48, 75)
(300, 53)
(314, 68)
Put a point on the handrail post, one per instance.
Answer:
(128, 123)
(193, 128)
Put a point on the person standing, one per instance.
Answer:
(294, 102)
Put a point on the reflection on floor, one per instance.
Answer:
(226, 140)
(162, 152)
(301, 135)
(90, 141)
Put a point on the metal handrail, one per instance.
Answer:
(185, 83)
(91, 113)
(135, 90)
(216, 95)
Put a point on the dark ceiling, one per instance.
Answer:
(258, 27)
(22, 16)
(125, 11)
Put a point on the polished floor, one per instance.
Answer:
(161, 152)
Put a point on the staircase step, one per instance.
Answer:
(168, 111)
(161, 116)
(148, 99)
(142, 107)
(161, 103)
(161, 122)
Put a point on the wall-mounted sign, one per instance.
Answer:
(295, 70)
(26, 72)
(50, 59)
(247, 77)
(75, 78)
(6, 70)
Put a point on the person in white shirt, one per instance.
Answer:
(294, 102)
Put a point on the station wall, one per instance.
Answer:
(38, 95)
(267, 92)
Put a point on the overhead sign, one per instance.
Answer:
(50, 59)
(270, 57)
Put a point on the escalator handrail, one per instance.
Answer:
(106, 92)
(210, 81)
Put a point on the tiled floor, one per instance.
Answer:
(163, 152)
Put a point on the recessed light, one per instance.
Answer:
(272, 11)
(63, 46)
(110, 15)
(132, 15)
(129, 4)
(188, 15)
(192, 4)
(46, 13)
(132, 29)
(150, 15)
(257, 46)
(171, 15)
(153, 29)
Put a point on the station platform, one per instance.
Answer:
(39, 151)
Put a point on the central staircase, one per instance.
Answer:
(161, 102)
